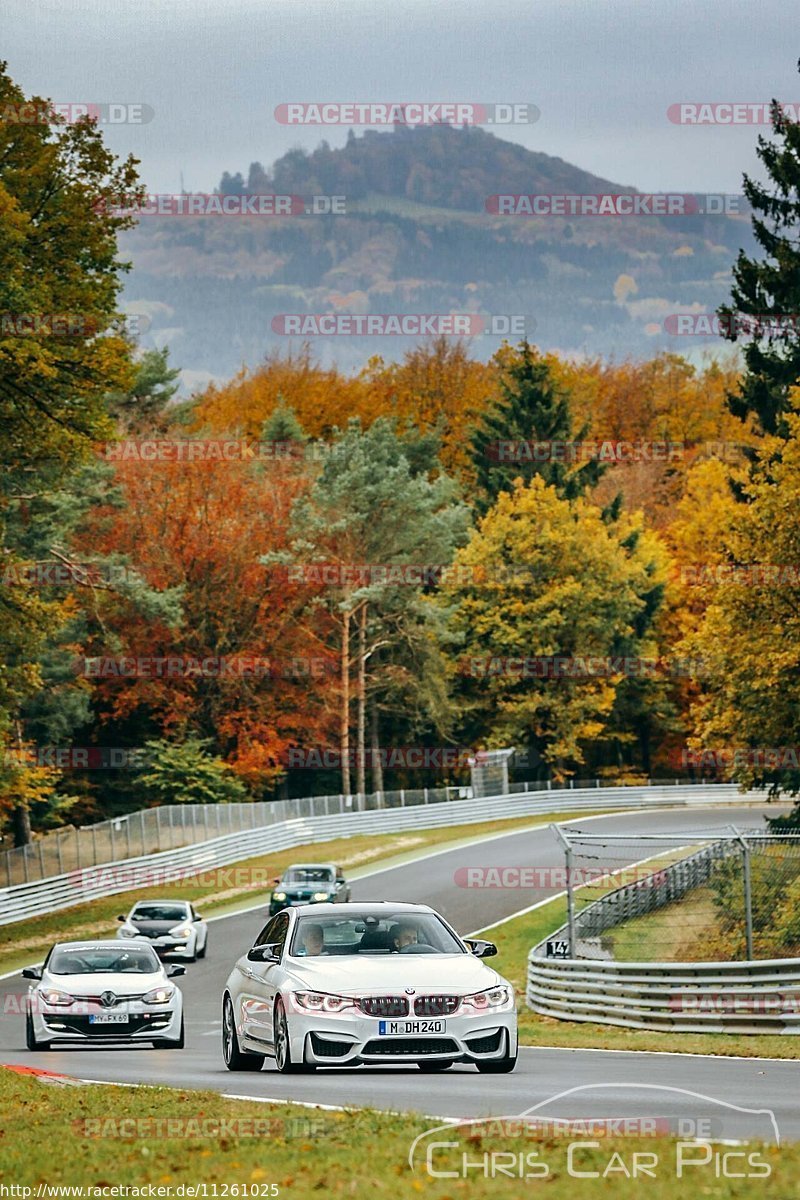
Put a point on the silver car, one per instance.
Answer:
(103, 992)
(171, 927)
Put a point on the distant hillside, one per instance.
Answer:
(431, 164)
(417, 238)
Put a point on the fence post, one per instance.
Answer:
(58, 852)
(144, 844)
(403, 798)
(113, 842)
(559, 832)
(748, 893)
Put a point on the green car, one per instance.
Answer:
(309, 883)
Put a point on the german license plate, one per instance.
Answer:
(401, 1027)
(117, 1018)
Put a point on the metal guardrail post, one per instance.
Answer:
(748, 892)
(559, 832)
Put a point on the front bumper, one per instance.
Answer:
(165, 944)
(339, 1040)
(276, 906)
(74, 1023)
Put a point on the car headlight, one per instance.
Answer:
(493, 998)
(184, 931)
(321, 896)
(279, 895)
(159, 995)
(55, 998)
(323, 1001)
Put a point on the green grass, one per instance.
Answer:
(220, 891)
(311, 1153)
(514, 940)
(677, 932)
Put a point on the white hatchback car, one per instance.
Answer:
(170, 926)
(373, 984)
(103, 992)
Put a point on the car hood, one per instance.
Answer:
(105, 981)
(300, 890)
(350, 975)
(151, 927)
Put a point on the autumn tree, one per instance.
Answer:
(367, 512)
(543, 577)
(61, 350)
(749, 637)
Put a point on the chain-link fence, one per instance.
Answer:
(169, 826)
(649, 899)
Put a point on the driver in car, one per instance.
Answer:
(404, 934)
(314, 940)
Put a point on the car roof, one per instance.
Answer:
(356, 908)
(103, 943)
(306, 866)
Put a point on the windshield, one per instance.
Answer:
(160, 912)
(366, 933)
(93, 960)
(308, 875)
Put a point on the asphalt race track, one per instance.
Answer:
(620, 1083)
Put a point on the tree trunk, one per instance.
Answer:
(361, 785)
(21, 825)
(20, 816)
(375, 749)
(344, 738)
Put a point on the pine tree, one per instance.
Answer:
(533, 408)
(768, 290)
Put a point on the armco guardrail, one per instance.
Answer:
(74, 887)
(742, 997)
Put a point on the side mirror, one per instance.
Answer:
(121, 918)
(480, 948)
(31, 972)
(176, 969)
(276, 881)
(264, 954)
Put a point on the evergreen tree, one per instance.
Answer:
(533, 409)
(768, 290)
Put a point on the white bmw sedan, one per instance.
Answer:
(102, 992)
(375, 984)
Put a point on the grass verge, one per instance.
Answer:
(514, 939)
(242, 884)
(93, 1136)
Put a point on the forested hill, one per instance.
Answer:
(416, 238)
(431, 164)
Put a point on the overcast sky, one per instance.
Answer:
(602, 72)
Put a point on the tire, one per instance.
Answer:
(168, 1044)
(202, 953)
(433, 1066)
(283, 1052)
(498, 1066)
(236, 1059)
(31, 1041)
